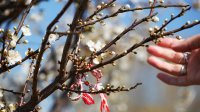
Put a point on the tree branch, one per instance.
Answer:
(12, 91)
(43, 46)
(127, 10)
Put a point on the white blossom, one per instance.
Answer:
(172, 15)
(26, 31)
(156, 28)
(196, 21)
(14, 38)
(98, 7)
(95, 46)
(155, 19)
(96, 61)
(150, 2)
(179, 37)
(113, 52)
(99, 86)
(53, 38)
(188, 22)
(151, 30)
(161, 1)
(166, 20)
(127, 6)
(13, 43)
(2, 104)
(13, 57)
(12, 107)
(25, 41)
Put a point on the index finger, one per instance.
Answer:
(188, 45)
(167, 42)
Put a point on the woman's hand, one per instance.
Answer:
(172, 51)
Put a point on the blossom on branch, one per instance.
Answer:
(13, 57)
(14, 40)
(95, 46)
(26, 31)
(53, 38)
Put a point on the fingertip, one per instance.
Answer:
(150, 49)
(172, 80)
(167, 42)
(165, 78)
(150, 60)
(161, 41)
(161, 76)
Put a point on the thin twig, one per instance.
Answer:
(106, 90)
(66, 33)
(43, 46)
(134, 24)
(22, 35)
(25, 85)
(152, 9)
(62, 77)
(99, 10)
(128, 10)
(12, 91)
(173, 18)
(26, 11)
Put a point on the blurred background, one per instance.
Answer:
(152, 96)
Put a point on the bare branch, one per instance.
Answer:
(107, 90)
(62, 77)
(127, 10)
(43, 46)
(99, 10)
(134, 24)
(11, 91)
(27, 10)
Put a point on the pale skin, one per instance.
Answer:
(171, 50)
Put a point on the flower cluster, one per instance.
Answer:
(12, 56)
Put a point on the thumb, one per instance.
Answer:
(187, 45)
